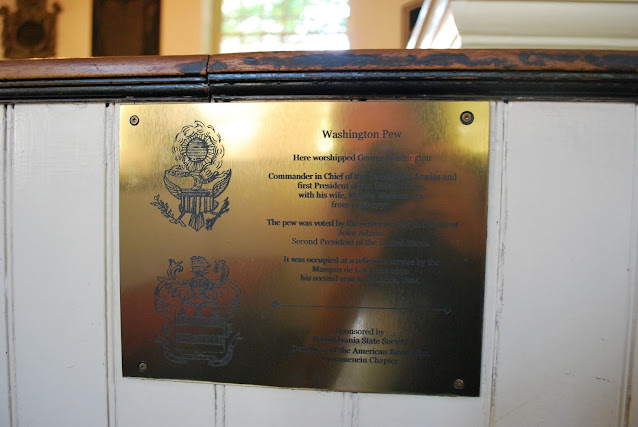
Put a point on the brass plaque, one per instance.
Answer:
(325, 245)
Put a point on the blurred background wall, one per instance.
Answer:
(196, 26)
(187, 26)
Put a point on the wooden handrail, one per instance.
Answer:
(357, 74)
(448, 59)
(82, 68)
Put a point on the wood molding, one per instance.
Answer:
(427, 60)
(562, 24)
(139, 78)
(433, 74)
(359, 74)
(113, 66)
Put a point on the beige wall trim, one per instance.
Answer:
(546, 24)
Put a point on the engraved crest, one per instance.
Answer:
(197, 313)
(196, 180)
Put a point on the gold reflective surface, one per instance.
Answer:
(328, 245)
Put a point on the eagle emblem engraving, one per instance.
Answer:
(196, 180)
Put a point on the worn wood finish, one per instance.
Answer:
(437, 74)
(372, 74)
(115, 67)
(149, 78)
(430, 60)
(473, 86)
(355, 60)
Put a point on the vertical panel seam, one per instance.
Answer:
(8, 267)
(346, 409)
(3, 255)
(108, 264)
(624, 410)
(502, 230)
(220, 405)
(492, 255)
(354, 422)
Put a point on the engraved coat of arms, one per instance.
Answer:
(196, 180)
(197, 313)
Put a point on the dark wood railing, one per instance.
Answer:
(373, 74)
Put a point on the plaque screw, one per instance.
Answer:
(134, 120)
(143, 367)
(467, 117)
(459, 384)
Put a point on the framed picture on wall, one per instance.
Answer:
(126, 27)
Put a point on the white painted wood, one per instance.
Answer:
(258, 406)
(158, 403)
(562, 251)
(494, 254)
(349, 407)
(220, 405)
(564, 316)
(134, 401)
(8, 272)
(630, 414)
(546, 24)
(408, 410)
(58, 214)
(111, 239)
(5, 402)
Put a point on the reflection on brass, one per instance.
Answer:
(326, 245)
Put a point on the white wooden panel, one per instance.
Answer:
(256, 406)
(58, 168)
(555, 24)
(397, 410)
(112, 265)
(157, 403)
(631, 409)
(565, 303)
(5, 293)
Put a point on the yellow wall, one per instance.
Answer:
(376, 24)
(75, 28)
(181, 27)
(373, 24)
